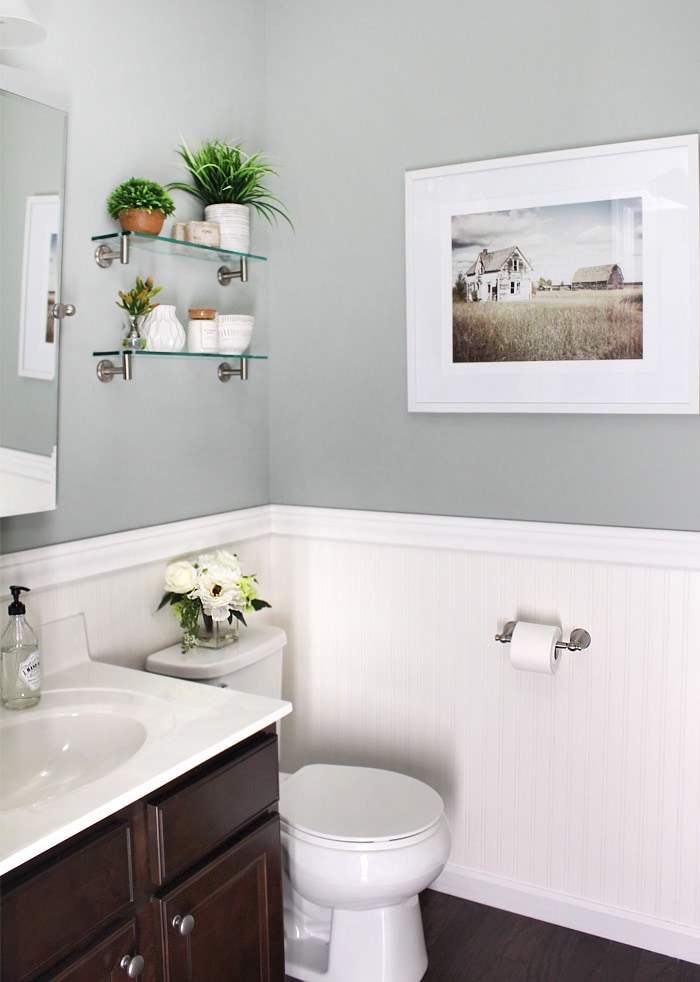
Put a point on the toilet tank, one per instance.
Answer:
(251, 664)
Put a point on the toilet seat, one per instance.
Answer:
(357, 805)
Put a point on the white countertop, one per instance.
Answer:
(187, 723)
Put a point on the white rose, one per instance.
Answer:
(180, 577)
(228, 560)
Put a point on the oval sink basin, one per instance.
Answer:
(44, 756)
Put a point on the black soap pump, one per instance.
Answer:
(21, 665)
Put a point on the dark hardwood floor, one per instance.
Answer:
(468, 942)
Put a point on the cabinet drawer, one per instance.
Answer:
(102, 962)
(191, 819)
(57, 906)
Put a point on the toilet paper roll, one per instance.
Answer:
(533, 647)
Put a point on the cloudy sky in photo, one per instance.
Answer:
(556, 239)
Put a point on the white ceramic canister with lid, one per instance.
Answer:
(202, 330)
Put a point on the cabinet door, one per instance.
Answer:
(224, 922)
(50, 911)
(102, 963)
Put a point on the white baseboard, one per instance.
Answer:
(612, 923)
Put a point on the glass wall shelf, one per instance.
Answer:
(105, 254)
(107, 370)
(174, 247)
(145, 353)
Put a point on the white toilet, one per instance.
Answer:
(359, 843)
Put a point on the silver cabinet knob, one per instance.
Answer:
(185, 925)
(133, 966)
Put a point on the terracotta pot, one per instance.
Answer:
(135, 220)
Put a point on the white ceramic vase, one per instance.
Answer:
(234, 225)
(162, 329)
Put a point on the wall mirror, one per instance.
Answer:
(32, 172)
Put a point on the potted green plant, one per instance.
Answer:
(137, 303)
(229, 182)
(140, 205)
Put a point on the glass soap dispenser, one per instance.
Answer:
(19, 650)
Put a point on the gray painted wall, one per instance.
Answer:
(358, 94)
(173, 443)
(346, 97)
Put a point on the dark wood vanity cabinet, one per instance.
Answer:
(183, 886)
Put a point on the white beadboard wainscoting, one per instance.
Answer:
(573, 798)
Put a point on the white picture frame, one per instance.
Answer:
(452, 209)
(37, 326)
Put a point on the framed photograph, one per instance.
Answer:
(37, 341)
(562, 282)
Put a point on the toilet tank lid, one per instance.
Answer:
(356, 804)
(254, 644)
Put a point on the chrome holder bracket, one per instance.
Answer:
(107, 370)
(579, 639)
(225, 275)
(105, 255)
(225, 372)
(61, 310)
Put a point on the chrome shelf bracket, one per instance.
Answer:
(107, 370)
(225, 372)
(225, 275)
(105, 255)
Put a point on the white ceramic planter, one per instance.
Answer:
(234, 225)
(162, 329)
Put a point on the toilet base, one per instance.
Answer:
(385, 944)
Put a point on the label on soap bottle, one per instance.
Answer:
(30, 671)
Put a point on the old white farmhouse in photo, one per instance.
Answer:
(501, 275)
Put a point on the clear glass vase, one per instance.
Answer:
(132, 338)
(216, 634)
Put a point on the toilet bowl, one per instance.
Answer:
(359, 843)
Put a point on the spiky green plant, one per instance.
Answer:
(139, 193)
(222, 173)
(137, 302)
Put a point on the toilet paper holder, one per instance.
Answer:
(579, 639)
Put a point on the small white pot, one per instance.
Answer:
(234, 225)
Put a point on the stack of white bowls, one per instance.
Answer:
(235, 331)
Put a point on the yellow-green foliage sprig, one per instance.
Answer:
(137, 301)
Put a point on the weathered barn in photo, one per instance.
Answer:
(608, 277)
(501, 275)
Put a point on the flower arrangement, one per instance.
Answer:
(212, 586)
